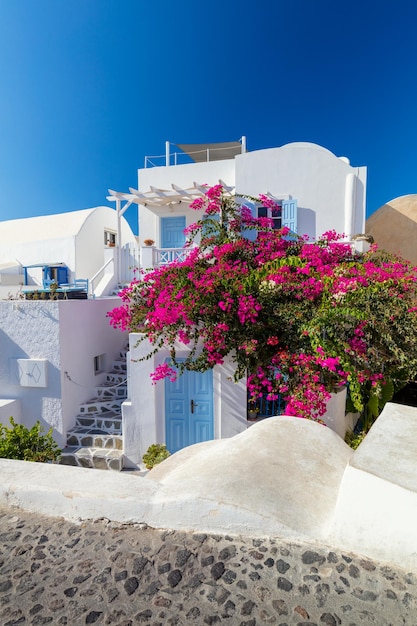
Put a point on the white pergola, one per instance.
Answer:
(156, 197)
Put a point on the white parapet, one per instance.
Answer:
(376, 511)
(283, 477)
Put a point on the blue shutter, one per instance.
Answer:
(62, 275)
(289, 214)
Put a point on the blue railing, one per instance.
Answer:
(266, 408)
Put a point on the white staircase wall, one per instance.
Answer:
(67, 334)
(86, 333)
(106, 285)
(10, 408)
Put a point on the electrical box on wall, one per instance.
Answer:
(28, 372)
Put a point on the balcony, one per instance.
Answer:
(152, 257)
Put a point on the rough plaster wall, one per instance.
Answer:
(30, 329)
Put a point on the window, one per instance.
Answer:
(109, 238)
(272, 214)
(99, 363)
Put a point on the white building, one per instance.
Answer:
(96, 245)
(54, 355)
(317, 191)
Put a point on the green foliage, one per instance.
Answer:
(24, 444)
(353, 439)
(156, 453)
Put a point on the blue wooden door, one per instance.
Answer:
(172, 232)
(189, 410)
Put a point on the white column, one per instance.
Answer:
(350, 192)
(118, 242)
(147, 257)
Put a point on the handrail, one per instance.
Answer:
(162, 256)
(149, 162)
(100, 271)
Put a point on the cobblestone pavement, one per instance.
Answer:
(99, 572)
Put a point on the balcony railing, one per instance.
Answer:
(163, 256)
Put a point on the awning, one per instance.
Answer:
(202, 152)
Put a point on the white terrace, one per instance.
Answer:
(316, 190)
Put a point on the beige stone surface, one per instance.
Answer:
(394, 227)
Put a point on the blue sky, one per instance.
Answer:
(89, 87)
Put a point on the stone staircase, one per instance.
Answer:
(96, 440)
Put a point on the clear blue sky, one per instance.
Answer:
(89, 87)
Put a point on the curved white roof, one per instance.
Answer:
(46, 226)
(307, 145)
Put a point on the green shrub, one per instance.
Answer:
(156, 453)
(354, 439)
(26, 444)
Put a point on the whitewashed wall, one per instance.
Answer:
(330, 192)
(89, 242)
(85, 332)
(30, 330)
(45, 251)
(77, 240)
(184, 176)
(8, 409)
(67, 334)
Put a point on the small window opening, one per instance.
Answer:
(109, 238)
(99, 363)
(272, 214)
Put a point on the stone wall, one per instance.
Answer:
(57, 572)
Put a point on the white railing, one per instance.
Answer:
(178, 158)
(129, 263)
(93, 282)
(162, 256)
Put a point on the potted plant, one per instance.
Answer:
(253, 411)
(148, 242)
(156, 453)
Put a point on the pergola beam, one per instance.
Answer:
(162, 197)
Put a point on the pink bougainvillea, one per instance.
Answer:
(295, 317)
